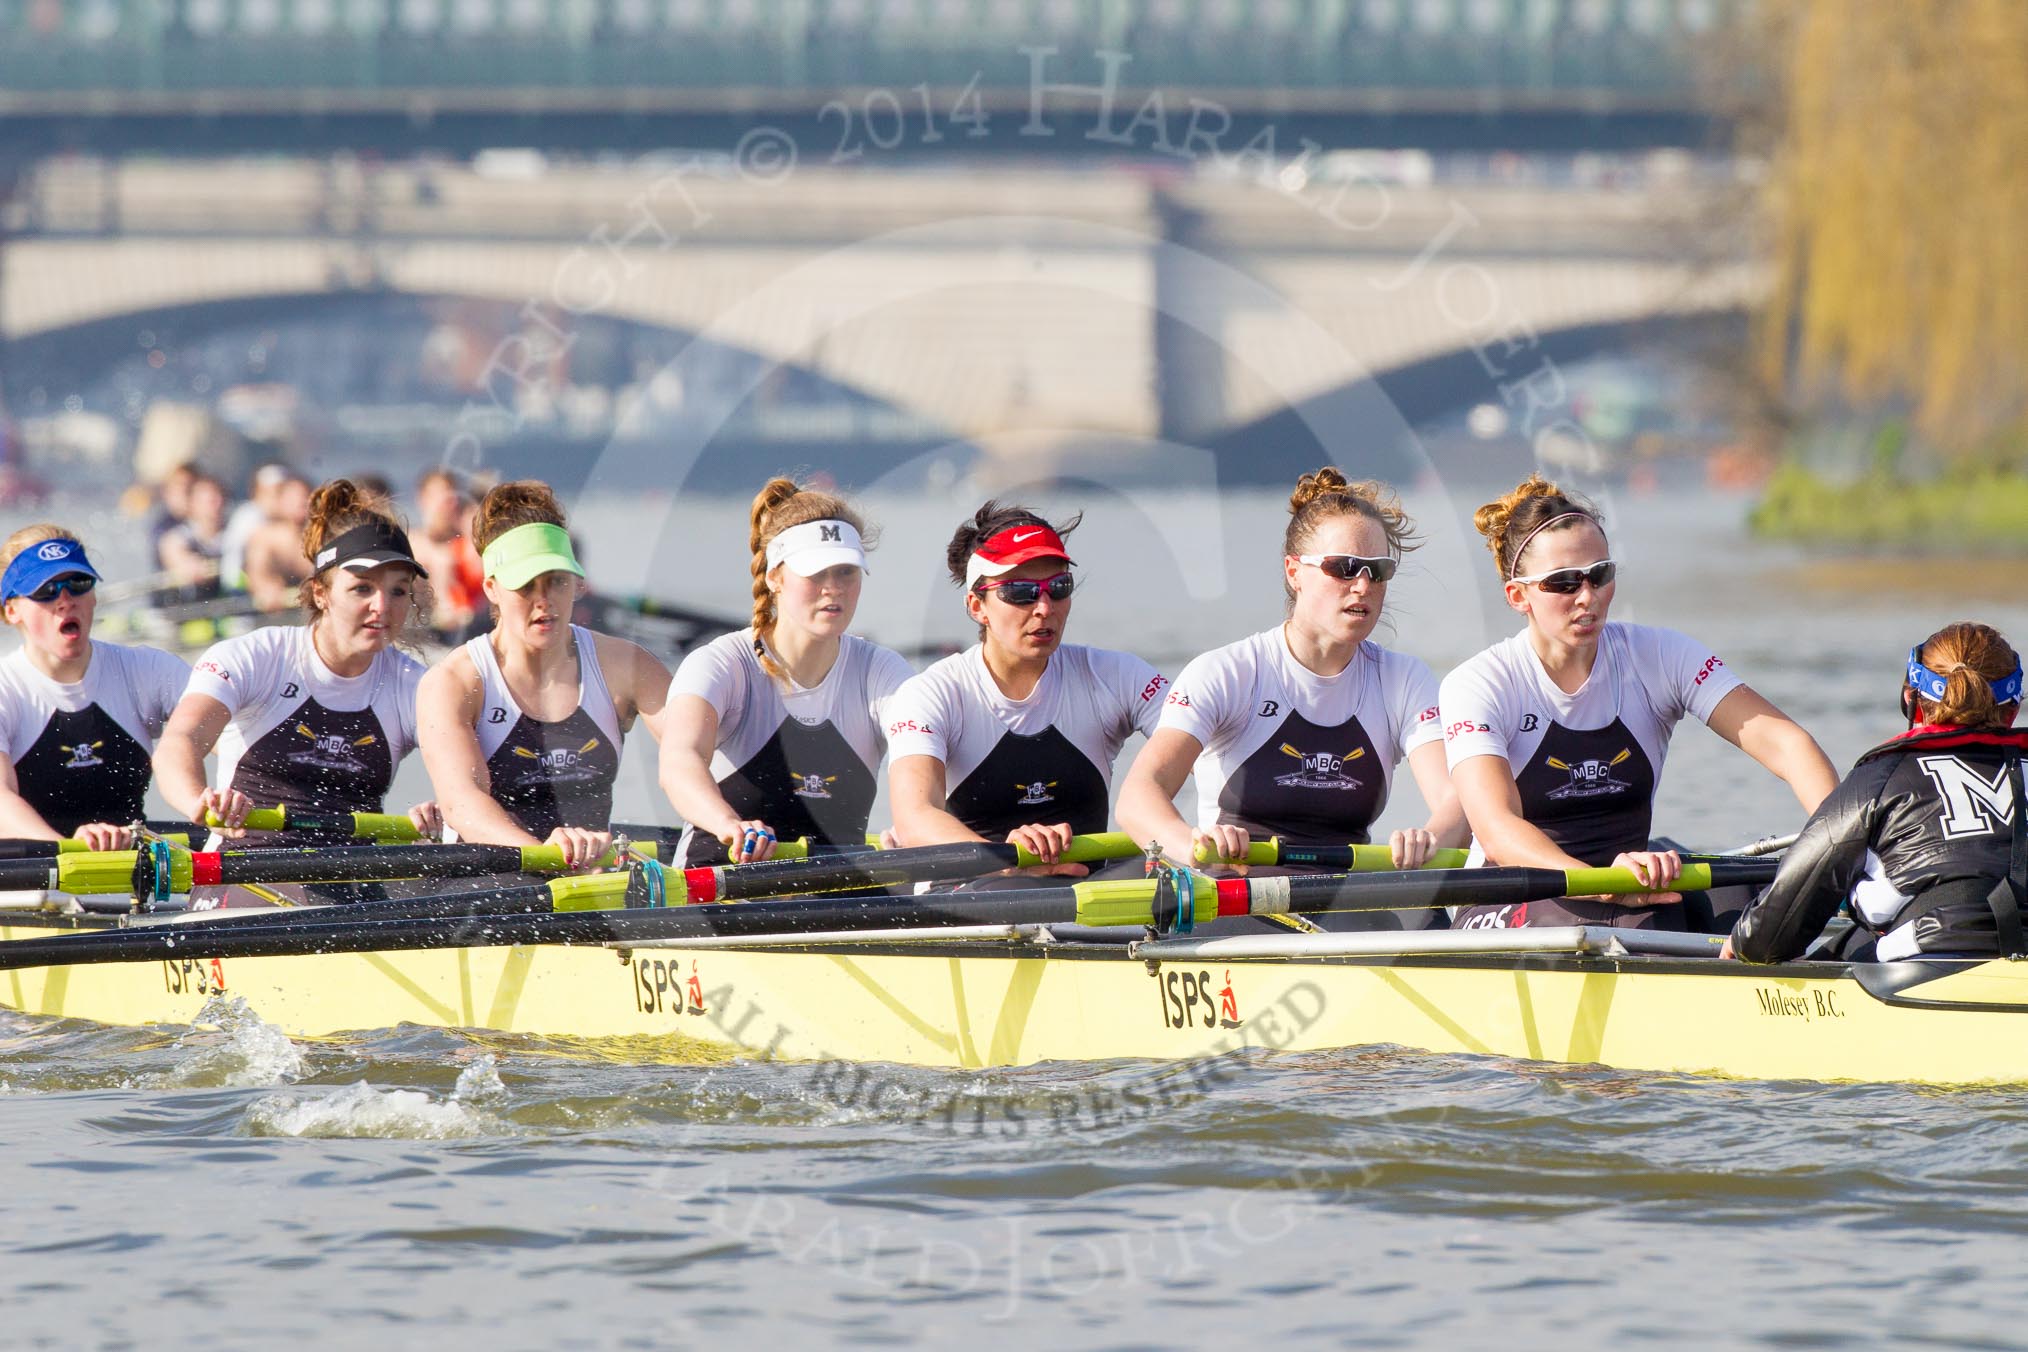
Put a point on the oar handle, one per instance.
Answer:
(180, 839)
(1697, 877)
(1091, 849)
(1343, 858)
(386, 827)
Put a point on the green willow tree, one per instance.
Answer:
(1899, 209)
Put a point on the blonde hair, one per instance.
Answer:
(782, 504)
(1511, 522)
(1970, 657)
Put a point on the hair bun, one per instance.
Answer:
(1317, 484)
(1532, 503)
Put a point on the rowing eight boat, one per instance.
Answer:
(1008, 994)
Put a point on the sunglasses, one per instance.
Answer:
(1027, 591)
(1565, 581)
(1345, 567)
(76, 585)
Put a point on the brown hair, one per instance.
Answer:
(37, 534)
(1510, 523)
(336, 507)
(781, 504)
(1970, 657)
(1326, 494)
(518, 502)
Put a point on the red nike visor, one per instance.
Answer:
(1011, 548)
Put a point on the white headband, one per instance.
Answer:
(812, 547)
(1514, 569)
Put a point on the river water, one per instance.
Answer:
(221, 1185)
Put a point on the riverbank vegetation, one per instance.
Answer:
(1896, 137)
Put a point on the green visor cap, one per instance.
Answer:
(527, 552)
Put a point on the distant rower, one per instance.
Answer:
(1556, 736)
(776, 731)
(1014, 739)
(313, 716)
(80, 715)
(522, 726)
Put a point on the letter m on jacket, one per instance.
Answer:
(1974, 805)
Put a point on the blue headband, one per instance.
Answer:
(43, 563)
(2006, 690)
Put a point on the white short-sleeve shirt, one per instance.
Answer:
(1289, 752)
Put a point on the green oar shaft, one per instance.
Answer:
(50, 849)
(116, 871)
(885, 868)
(389, 828)
(1337, 858)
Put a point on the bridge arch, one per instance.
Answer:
(1533, 397)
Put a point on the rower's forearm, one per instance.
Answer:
(1447, 823)
(1145, 816)
(931, 826)
(1811, 776)
(179, 774)
(1517, 843)
(480, 820)
(19, 821)
(696, 797)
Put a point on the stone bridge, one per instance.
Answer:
(1003, 304)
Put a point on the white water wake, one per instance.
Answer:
(364, 1111)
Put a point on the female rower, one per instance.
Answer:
(313, 716)
(776, 731)
(1924, 834)
(81, 715)
(522, 726)
(1556, 736)
(1295, 731)
(1014, 739)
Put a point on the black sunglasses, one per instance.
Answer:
(1027, 591)
(77, 585)
(1565, 581)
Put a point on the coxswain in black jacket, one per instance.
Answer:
(1919, 838)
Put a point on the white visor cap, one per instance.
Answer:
(812, 547)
